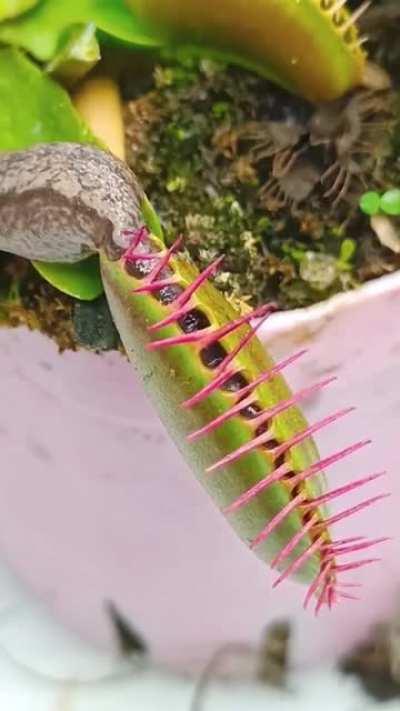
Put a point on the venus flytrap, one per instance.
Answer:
(311, 47)
(218, 391)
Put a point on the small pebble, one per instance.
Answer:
(387, 232)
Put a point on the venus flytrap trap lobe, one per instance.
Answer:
(269, 481)
(311, 47)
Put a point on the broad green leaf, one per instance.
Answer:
(12, 8)
(81, 280)
(41, 30)
(34, 109)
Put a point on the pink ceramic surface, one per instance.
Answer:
(83, 455)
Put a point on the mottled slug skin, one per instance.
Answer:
(60, 202)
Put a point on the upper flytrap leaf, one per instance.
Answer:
(41, 30)
(12, 8)
(77, 56)
(308, 46)
(34, 109)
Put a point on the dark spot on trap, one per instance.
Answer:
(139, 268)
(234, 383)
(168, 294)
(251, 411)
(213, 355)
(193, 320)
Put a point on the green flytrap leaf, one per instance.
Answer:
(78, 55)
(12, 8)
(81, 280)
(34, 109)
(41, 30)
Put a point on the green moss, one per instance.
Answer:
(195, 142)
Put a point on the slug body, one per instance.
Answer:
(310, 47)
(217, 390)
(60, 202)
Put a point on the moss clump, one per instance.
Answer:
(243, 168)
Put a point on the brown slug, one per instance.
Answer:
(60, 202)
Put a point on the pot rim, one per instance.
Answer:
(284, 321)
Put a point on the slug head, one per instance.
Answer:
(59, 202)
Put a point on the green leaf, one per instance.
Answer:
(41, 30)
(12, 8)
(151, 219)
(370, 203)
(347, 250)
(81, 280)
(77, 56)
(34, 109)
(390, 202)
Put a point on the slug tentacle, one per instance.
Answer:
(233, 417)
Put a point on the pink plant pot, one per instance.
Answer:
(97, 504)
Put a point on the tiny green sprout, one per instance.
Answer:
(296, 253)
(177, 184)
(346, 254)
(370, 203)
(390, 202)
(220, 109)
